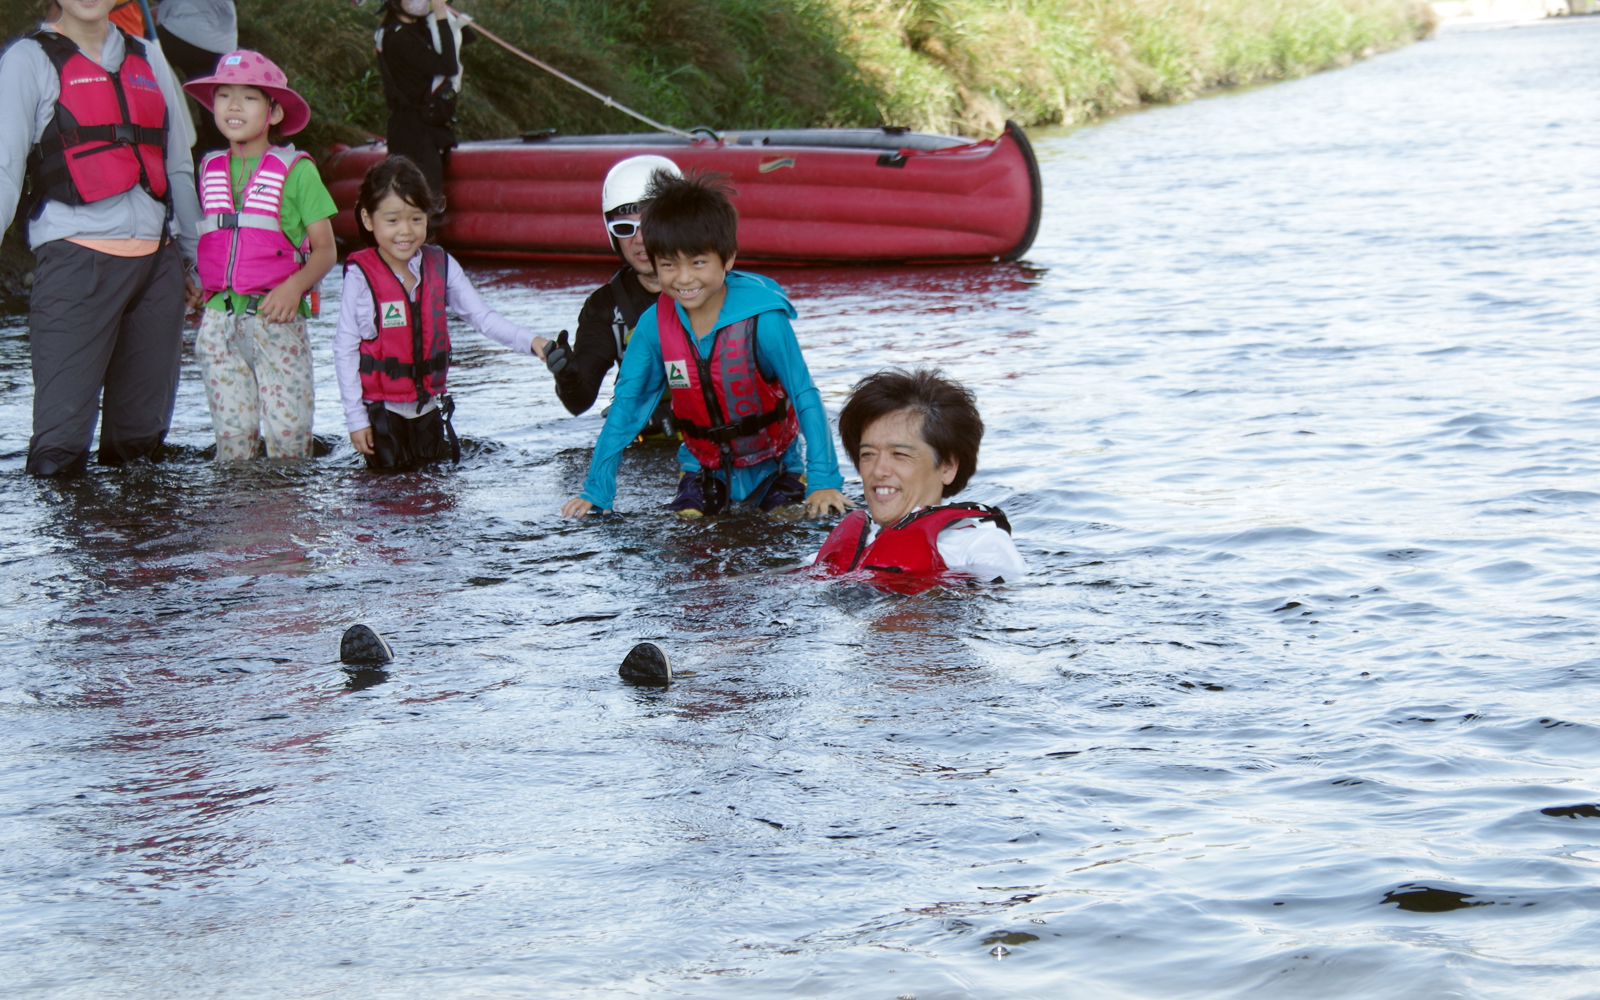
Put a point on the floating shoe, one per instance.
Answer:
(360, 646)
(646, 664)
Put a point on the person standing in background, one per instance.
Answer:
(88, 118)
(194, 34)
(419, 43)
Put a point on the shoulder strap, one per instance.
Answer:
(57, 46)
(964, 509)
(286, 155)
(132, 46)
(622, 301)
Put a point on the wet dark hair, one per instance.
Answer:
(402, 177)
(689, 215)
(950, 422)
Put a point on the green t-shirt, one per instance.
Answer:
(305, 201)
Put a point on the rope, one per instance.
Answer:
(607, 101)
(149, 21)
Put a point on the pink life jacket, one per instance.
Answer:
(407, 331)
(725, 407)
(243, 247)
(904, 556)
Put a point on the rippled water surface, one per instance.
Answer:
(1294, 413)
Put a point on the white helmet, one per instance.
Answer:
(627, 182)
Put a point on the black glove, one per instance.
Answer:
(558, 355)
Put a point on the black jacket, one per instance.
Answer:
(410, 63)
(603, 326)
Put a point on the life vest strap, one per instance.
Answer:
(239, 220)
(121, 133)
(397, 369)
(744, 427)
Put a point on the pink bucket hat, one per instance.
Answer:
(253, 69)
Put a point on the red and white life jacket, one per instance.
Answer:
(407, 330)
(905, 555)
(244, 247)
(109, 132)
(724, 406)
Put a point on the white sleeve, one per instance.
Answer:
(469, 305)
(356, 323)
(981, 549)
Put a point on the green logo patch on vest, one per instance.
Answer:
(393, 313)
(677, 378)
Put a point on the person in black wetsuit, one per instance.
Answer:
(418, 56)
(609, 315)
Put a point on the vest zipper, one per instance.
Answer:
(415, 309)
(861, 543)
(709, 391)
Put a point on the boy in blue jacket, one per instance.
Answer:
(720, 339)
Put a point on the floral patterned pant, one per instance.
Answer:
(258, 384)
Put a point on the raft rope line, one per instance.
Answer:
(606, 100)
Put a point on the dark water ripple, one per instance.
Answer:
(1292, 414)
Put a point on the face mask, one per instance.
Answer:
(416, 8)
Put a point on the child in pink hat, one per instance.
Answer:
(265, 243)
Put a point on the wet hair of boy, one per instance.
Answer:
(950, 422)
(689, 215)
(398, 175)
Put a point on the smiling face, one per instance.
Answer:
(898, 468)
(698, 281)
(243, 113)
(399, 227)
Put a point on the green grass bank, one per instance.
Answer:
(961, 66)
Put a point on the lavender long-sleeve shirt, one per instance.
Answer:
(358, 321)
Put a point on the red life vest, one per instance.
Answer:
(725, 407)
(406, 330)
(905, 555)
(109, 132)
(244, 247)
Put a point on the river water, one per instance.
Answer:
(1291, 412)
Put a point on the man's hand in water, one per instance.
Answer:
(576, 507)
(362, 439)
(820, 502)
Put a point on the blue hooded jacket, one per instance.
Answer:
(643, 378)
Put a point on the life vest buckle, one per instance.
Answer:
(125, 134)
(227, 220)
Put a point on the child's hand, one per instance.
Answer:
(280, 305)
(362, 439)
(193, 295)
(540, 344)
(576, 507)
(820, 502)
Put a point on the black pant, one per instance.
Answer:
(422, 144)
(99, 324)
(192, 61)
(402, 443)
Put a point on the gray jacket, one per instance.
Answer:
(212, 25)
(32, 88)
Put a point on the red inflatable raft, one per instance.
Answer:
(805, 196)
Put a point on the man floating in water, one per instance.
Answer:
(914, 438)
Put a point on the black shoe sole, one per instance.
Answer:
(361, 646)
(647, 665)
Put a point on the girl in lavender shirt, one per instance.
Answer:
(391, 348)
